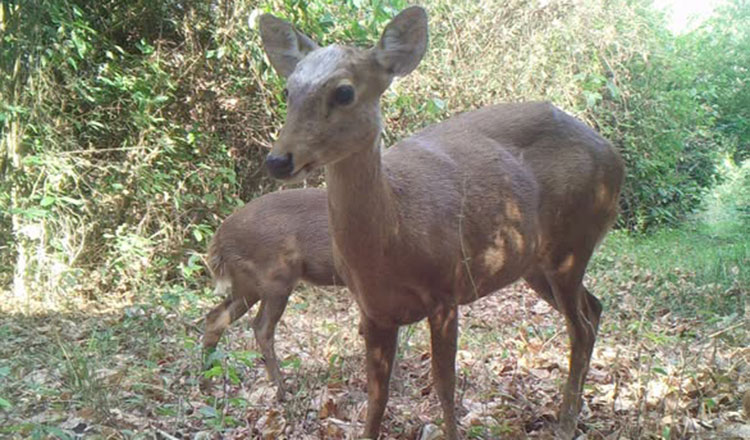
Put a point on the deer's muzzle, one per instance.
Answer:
(280, 166)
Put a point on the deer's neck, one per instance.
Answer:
(361, 206)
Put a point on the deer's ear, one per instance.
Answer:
(284, 45)
(404, 42)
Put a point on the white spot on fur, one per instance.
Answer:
(568, 263)
(494, 257)
(318, 66)
(508, 240)
(223, 286)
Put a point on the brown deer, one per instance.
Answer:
(260, 253)
(449, 215)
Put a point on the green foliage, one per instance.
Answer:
(685, 103)
(727, 207)
(722, 48)
(691, 271)
(665, 138)
(124, 164)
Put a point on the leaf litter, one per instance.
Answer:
(112, 374)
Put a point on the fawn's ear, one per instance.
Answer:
(404, 42)
(284, 45)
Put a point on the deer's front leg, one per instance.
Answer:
(380, 343)
(444, 334)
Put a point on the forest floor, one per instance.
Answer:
(672, 360)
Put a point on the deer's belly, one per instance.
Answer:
(395, 306)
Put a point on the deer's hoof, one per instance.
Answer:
(565, 431)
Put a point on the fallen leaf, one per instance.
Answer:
(431, 432)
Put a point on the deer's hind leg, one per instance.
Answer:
(240, 300)
(221, 316)
(538, 282)
(582, 311)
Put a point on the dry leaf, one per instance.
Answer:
(431, 432)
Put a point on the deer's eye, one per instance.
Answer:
(343, 95)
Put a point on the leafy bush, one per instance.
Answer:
(727, 206)
(124, 157)
(722, 57)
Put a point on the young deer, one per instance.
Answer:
(261, 252)
(449, 215)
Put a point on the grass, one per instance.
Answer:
(692, 270)
(671, 360)
(700, 269)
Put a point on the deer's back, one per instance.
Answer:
(572, 167)
(499, 186)
(275, 234)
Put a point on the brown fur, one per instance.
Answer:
(261, 252)
(451, 214)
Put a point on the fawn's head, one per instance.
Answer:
(333, 92)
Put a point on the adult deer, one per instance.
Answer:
(449, 215)
(260, 253)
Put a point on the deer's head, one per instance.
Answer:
(333, 92)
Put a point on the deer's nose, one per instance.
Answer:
(280, 167)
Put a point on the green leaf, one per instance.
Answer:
(294, 362)
(238, 402)
(233, 376)
(4, 404)
(591, 98)
(666, 432)
(215, 371)
(215, 356)
(209, 412)
(166, 410)
(246, 357)
(57, 432)
(145, 47)
(613, 90)
(435, 106)
(47, 201)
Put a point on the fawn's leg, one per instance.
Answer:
(264, 326)
(218, 319)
